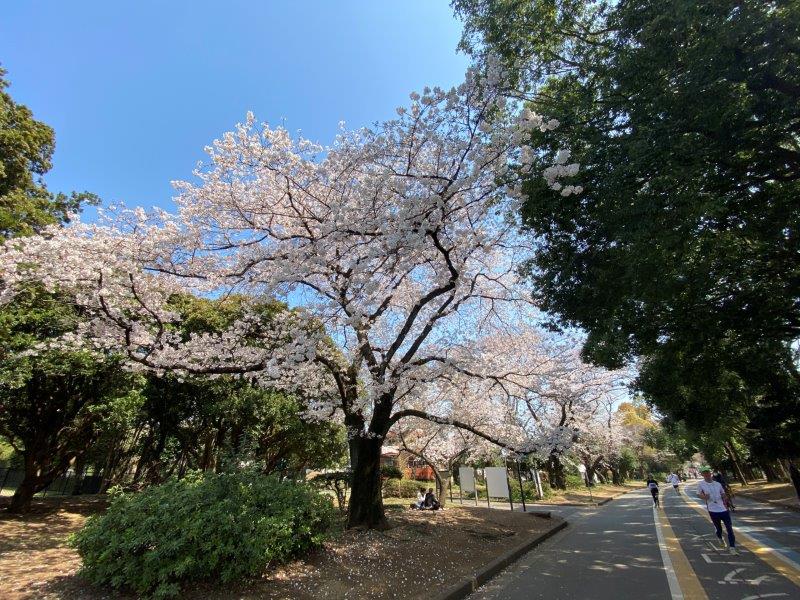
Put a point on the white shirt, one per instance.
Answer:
(674, 479)
(715, 493)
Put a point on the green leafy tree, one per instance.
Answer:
(683, 247)
(26, 150)
(220, 423)
(52, 401)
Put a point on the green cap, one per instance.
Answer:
(704, 469)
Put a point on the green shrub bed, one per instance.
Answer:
(205, 526)
(404, 488)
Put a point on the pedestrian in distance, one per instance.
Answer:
(716, 502)
(652, 485)
(675, 480)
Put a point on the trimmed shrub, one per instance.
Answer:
(391, 472)
(530, 491)
(403, 488)
(574, 480)
(205, 526)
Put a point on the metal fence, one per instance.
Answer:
(68, 484)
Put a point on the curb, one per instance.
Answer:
(487, 572)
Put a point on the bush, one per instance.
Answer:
(391, 472)
(205, 526)
(403, 488)
(531, 495)
(574, 480)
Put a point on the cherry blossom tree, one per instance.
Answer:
(396, 244)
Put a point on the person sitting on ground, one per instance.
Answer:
(420, 503)
(431, 503)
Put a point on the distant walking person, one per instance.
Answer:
(652, 485)
(714, 494)
(675, 480)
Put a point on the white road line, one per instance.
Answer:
(672, 579)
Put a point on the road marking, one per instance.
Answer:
(729, 577)
(757, 596)
(761, 548)
(672, 580)
(683, 581)
(723, 562)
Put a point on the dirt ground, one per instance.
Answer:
(782, 494)
(423, 554)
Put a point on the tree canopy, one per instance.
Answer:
(683, 247)
(26, 151)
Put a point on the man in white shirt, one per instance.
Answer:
(675, 480)
(716, 501)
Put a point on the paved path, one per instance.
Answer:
(625, 549)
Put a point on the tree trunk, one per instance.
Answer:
(21, 500)
(615, 477)
(366, 504)
(772, 474)
(31, 483)
(555, 472)
(737, 467)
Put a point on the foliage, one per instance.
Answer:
(8, 456)
(53, 401)
(530, 490)
(26, 149)
(336, 482)
(219, 527)
(683, 247)
(391, 472)
(403, 488)
(393, 238)
(574, 480)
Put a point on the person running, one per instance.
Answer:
(715, 497)
(675, 480)
(652, 485)
(720, 478)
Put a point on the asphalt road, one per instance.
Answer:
(617, 551)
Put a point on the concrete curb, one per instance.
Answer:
(485, 573)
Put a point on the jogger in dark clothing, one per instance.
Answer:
(653, 486)
(723, 517)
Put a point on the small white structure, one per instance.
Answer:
(466, 479)
(497, 482)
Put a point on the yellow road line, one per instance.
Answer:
(687, 579)
(769, 555)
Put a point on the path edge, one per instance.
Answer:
(490, 570)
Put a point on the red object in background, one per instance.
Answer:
(421, 473)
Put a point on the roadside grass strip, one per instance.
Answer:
(682, 580)
(784, 560)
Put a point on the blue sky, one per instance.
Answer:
(135, 90)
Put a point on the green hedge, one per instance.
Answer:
(205, 526)
(404, 488)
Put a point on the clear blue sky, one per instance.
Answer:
(136, 89)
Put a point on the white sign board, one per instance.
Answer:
(497, 482)
(466, 477)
